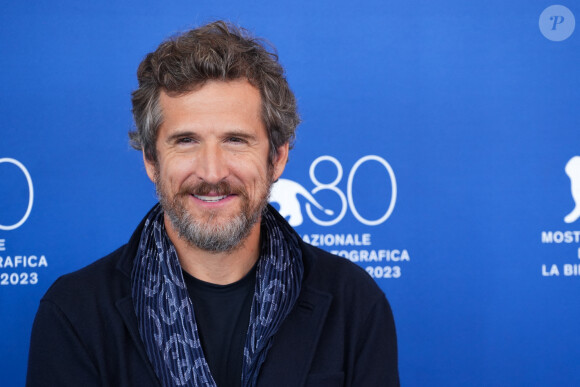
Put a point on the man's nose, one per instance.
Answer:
(213, 164)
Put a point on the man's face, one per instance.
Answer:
(212, 176)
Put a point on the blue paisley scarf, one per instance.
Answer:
(165, 313)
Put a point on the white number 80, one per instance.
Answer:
(332, 187)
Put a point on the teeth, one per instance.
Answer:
(210, 199)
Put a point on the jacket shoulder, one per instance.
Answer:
(95, 281)
(330, 273)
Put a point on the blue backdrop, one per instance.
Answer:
(436, 132)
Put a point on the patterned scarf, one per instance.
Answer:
(165, 313)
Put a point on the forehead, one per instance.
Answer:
(215, 103)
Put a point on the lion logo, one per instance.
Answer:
(285, 192)
(573, 171)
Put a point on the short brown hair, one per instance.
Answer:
(216, 51)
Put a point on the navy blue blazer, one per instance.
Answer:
(340, 333)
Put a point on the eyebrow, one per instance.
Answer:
(188, 133)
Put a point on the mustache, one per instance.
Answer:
(222, 188)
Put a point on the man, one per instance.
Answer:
(214, 288)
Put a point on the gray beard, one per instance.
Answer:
(205, 235)
(213, 238)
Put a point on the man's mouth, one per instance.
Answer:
(210, 199)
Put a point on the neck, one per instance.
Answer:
(219, 268)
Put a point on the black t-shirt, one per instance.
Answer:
(222, 313)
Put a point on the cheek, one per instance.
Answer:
(252, 173)
(174, 173)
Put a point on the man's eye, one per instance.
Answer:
(185, 140)
(236, 140)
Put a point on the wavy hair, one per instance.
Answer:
(216, 51)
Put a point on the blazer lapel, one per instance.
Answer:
(125, 308)
(288, 360)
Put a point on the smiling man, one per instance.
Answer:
(214, 288)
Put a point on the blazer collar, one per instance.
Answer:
(294, 345)
(129, 251)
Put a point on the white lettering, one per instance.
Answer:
(553, 271)
(561, 236)
(2, 244)
(349, 241)
(547, 237)
(328, 240)
(315, 240)
(23, 261)
(374, 255)
(366, 239)
(571, 270)
(364, 256)
(337, 239)
(7, 262)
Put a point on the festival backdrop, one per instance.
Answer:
(438, 150)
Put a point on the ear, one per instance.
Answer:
(149, 167)
(281, 160)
